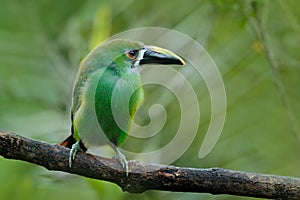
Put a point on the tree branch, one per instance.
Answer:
(144, 176)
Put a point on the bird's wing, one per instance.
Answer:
(81, 79)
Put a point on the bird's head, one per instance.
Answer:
(124, 55)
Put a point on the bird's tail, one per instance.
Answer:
(68, 142)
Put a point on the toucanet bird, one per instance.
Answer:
(107, 75)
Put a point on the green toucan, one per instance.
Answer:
(105, 78)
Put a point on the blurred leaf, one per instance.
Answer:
(101, 27)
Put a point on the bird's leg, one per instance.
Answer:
(121, 158)
(73, 152)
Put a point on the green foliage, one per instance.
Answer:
(255, 46)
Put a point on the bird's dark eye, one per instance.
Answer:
(132, 54)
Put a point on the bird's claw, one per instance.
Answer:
(122, 159)
(73, 152)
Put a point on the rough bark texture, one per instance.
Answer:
(144, 176)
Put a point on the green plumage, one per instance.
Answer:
(108, 91)
(99, 74)
(104, 103)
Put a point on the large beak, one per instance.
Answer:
(157, 55)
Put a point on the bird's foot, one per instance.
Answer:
(122, 159)
(73, 152)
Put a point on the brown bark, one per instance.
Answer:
(144, 176)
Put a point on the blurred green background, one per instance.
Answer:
(254, 44)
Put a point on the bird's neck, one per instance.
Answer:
(122, 70)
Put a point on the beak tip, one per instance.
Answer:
(182, 61)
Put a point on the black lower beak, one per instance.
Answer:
(157, 55)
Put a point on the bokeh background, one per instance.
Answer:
(254, 44)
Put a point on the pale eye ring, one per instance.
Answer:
(132, 54)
